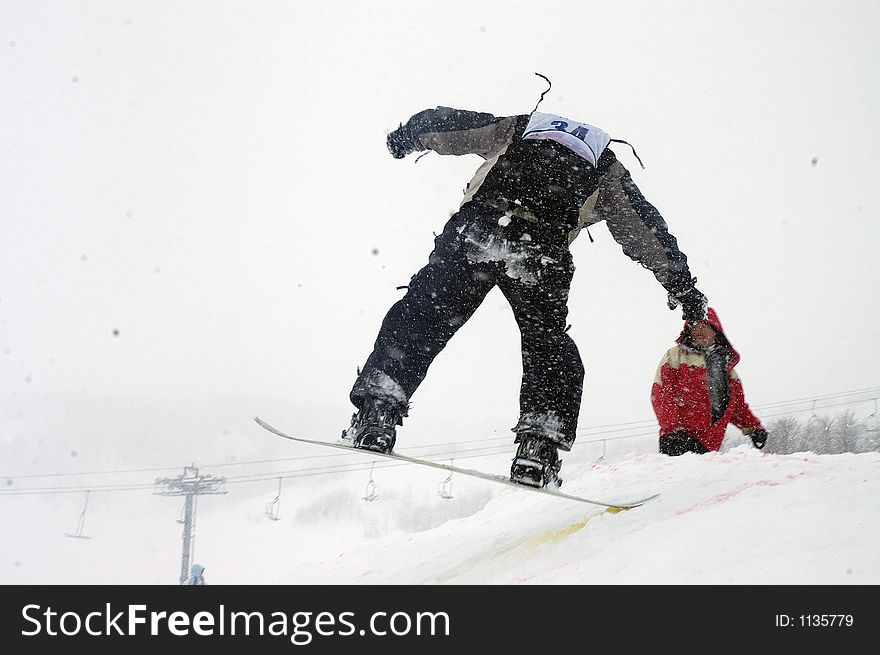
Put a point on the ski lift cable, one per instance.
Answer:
(614, 431)
(620, 426)
(438, 455)
(324, 470)
(104, 472)
(329, 470)
(812, 410)
(617, 438)
(617, 427)
(345, 467)
(312, 471)
(583, 431)
(775, 405)
(793, 401)
(335, 455)
(297, 473)
(304, 473)
(69, 490)
(829, 396)
(487, 451)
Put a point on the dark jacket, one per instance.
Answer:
(553, 171)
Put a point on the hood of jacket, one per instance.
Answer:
(713, 320)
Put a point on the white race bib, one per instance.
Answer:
(585, 140)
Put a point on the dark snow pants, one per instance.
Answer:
(680, 442)
(478, 249)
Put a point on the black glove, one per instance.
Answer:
(693, 304)
(400, 142)
(759, 438)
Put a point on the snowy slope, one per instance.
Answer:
(737, 517)
(734, 517)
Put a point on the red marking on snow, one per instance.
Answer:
(802, 474)
(727, 495)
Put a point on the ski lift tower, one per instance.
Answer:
(189, 485)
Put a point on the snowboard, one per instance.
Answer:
(619, 505)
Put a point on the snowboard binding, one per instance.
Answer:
(373, 426)
(536, 463)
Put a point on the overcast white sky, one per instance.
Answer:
(200, 221)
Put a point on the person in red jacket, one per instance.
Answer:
(696, 392)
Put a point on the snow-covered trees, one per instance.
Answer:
(824, 435)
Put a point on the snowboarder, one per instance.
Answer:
(544, 179)
(696, 393)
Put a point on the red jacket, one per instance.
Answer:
(680, 394)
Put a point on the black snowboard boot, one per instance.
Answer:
(373, 426)
(537, 461)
